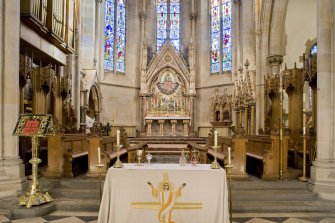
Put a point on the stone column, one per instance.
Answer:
(248, 30)
(11, 167)
(83, 100)
(323, 169)
(149, 122)
(161, 127)
(246, 119)
(173, 123)
(186, 124)
(252, 120)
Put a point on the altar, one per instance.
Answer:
(164, 193)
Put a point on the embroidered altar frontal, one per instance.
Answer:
(164, 193)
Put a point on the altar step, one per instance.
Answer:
(168, 140)
(248, 196)
(255, 195)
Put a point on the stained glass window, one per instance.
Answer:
(168, 22)
(115, 35)
(314, 49)
(221, 43)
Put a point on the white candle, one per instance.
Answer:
(215, 138)
(304, 122)
(118, 137)
(229, 156)
(99, 155)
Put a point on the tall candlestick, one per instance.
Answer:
(229, 155)
(99, 155)
(215, 138)
(118, 137)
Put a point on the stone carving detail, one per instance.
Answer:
(222, 109)
(310, 69)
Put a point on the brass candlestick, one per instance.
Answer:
(34, 196)
(229, 167)
(215, 164)
(118, 163)
(100, 166)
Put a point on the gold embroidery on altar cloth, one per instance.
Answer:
(166, 196)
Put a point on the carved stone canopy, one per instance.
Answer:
(167, 59)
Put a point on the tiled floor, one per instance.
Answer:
(91, 217)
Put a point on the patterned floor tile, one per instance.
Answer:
(259, 220)
(296, 220)
(328, 220)
(3, 219)
(68, 220)
(29, 220)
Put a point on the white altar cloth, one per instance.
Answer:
(128, 198)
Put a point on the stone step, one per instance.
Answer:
(75, 183)
(282, 206)
(257, 184)
(273, 195)
(67, 193)
(77, 205)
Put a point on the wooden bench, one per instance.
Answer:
(67, 155)
(263, 156)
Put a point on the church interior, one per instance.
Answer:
(214, 105)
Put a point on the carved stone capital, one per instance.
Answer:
(275, 60)
(193, 15)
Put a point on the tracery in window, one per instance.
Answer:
(221, 42)
(168, 22)
(115, 35)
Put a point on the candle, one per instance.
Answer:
(304, 122)
(215, 138)
(118, 137)
(229, 156)
(99, 156)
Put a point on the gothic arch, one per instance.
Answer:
(168, 58)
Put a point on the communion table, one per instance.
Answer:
(164, 193)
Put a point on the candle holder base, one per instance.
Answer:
(118, 163)
(215, 164)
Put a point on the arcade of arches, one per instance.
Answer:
(95, 79)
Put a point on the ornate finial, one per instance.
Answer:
(246, 64)
(240, 69)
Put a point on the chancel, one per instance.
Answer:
(167, 111)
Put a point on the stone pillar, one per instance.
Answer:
(252, 120)
(323, 169)
(11, 167)
(83, 100)
(173, 123)
(148, 122)
(186, 124)
(248, 29)
(161, 127)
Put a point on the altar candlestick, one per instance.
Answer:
(99, 155)
(118, 137)
(229, 155)
(215, 138)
